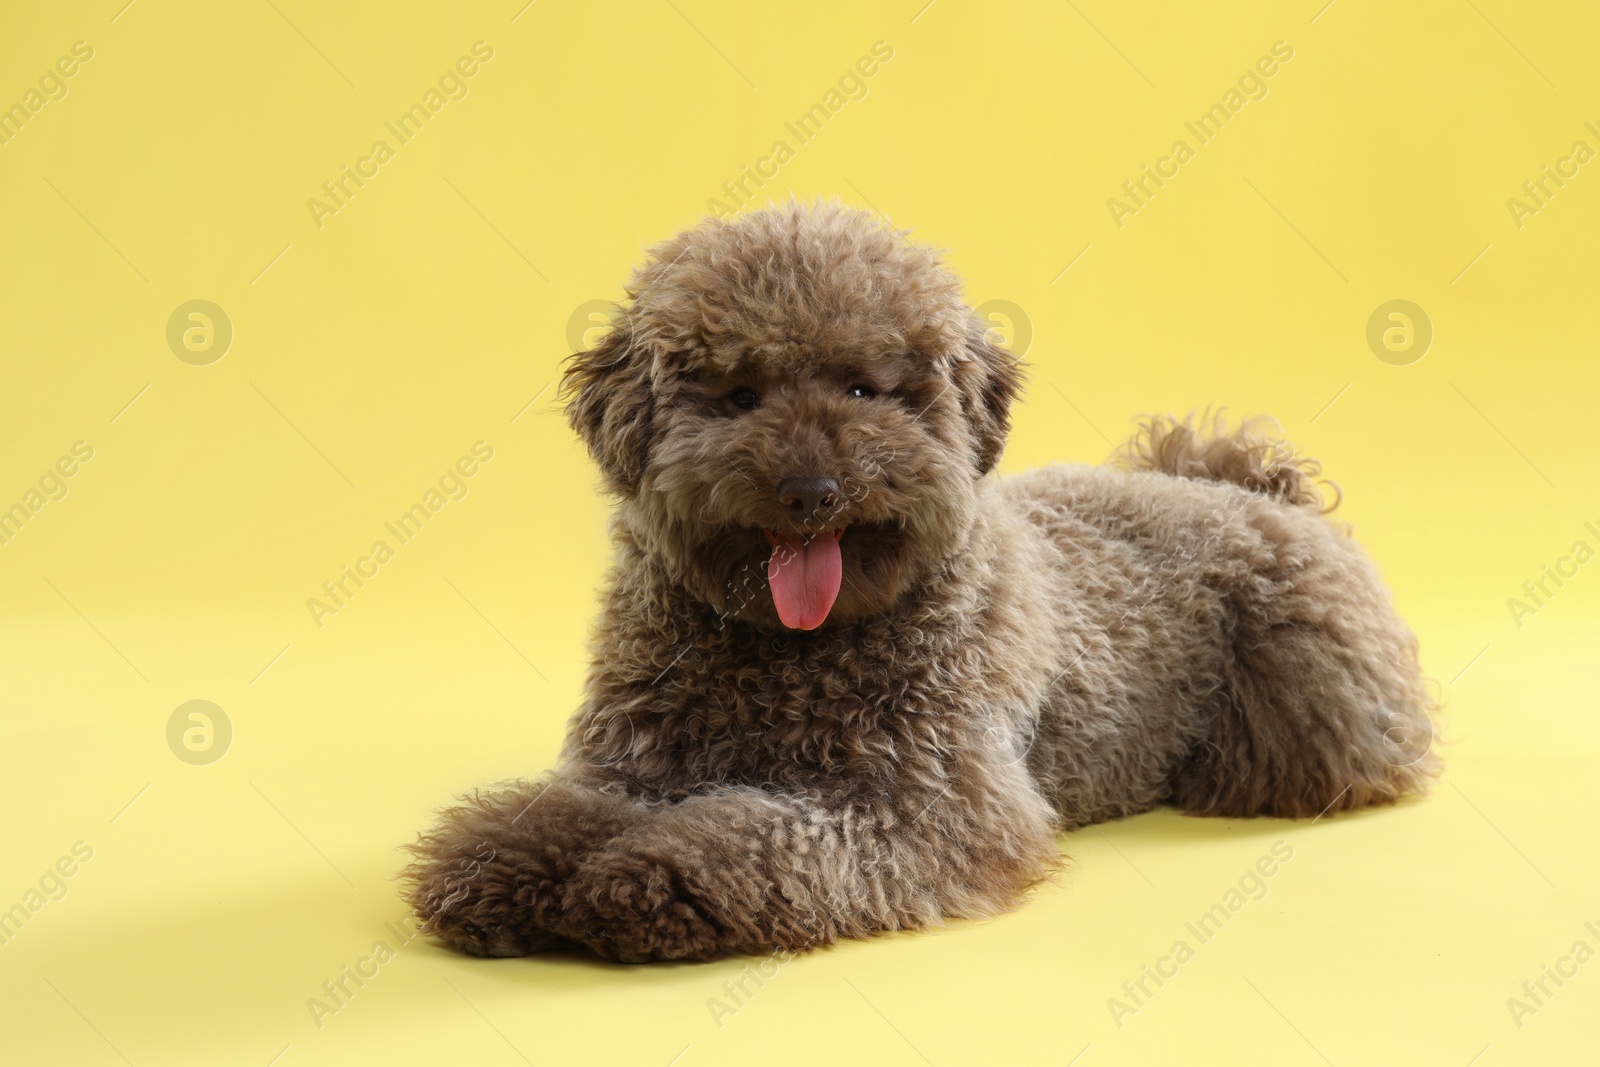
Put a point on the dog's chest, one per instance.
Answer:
(774, 708)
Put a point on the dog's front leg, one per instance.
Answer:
(744, 871)
(488, 879)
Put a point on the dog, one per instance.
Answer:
(848, 680)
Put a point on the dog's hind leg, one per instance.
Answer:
(1303, 728)
(1322, 706)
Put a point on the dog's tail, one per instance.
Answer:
(1249, 455)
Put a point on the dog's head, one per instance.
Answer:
(795, 408)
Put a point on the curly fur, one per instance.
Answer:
(1248, 455)
(1007, 658)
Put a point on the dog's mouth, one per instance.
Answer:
(804, 571)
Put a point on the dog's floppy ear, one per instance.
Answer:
(987, 379)
(611, 405)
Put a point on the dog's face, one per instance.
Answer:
(795, 409)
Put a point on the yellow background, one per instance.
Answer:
(433, 310)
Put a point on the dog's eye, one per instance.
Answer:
(744, 398)
(861, 392)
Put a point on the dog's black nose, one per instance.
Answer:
(809, 496)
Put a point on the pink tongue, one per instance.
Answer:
(805, 578)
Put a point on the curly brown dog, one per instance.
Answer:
(846, 681)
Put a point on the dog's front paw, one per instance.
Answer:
(488, 879)
(484, 902)
(634, 909)
(481, 935)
